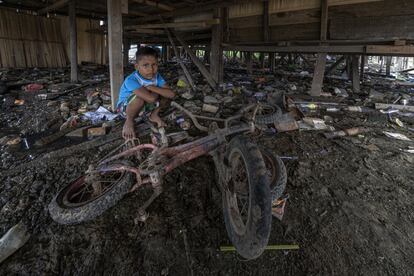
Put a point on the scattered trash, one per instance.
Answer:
(268, 247)
(394, 106)
(210, 108)
(314, 123)
(286, 123)
(397, 136)
(346, 132)
(408, 150)
(10, 140)
(210, 100)
(33, 87)
(14, 239)
(341, 92)
(96, 131)
(101, 114)
(19, 102)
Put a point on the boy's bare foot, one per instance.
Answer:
(128, 131)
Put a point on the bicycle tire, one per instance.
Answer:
(250, 240)
(269, 118)
(64, 214)
(277, 168)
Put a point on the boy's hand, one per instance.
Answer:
(150, 87)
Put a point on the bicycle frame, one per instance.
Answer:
(164, 159)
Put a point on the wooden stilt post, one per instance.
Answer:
(388, 66)
(216, 62)
(355, 74)
(335, 65)
(318, 75)
(206, 58)
(349, 67)
(73, 42)
(249, 66)
(319, 72)
(116, 71)
(164, 53)
(126, 47)
(272, 62)
(362, 69)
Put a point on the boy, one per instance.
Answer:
(142, 91)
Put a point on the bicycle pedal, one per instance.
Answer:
(278, 207)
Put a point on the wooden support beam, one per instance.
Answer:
(281, 60)
(272, 62)
(146, 31)
(388, 66)
(156, 4)
(55, 6)
(178, 56)
(335, 65)
(116, 71)
(318, 75)
(206, 58)
(216, 62)
(407, 50)
(164, 53)
(73, 42)
(362, 69)
(206, 74)
(188, 24)
(126, 46)
(249, 62)
(407, 70)
(324, 20)
(132, 13)
(356, 86)
(354, 49)
(305, 60)
(266, 30)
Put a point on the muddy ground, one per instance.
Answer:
(350, 210)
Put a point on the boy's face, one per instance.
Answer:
(147, 66)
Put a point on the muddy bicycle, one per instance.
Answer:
(249, 178)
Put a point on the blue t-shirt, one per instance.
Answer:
(136, 81)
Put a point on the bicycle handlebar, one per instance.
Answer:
(225, 121)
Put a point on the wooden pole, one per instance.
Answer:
(206, 74)
(216, 62)
(249, 66)
(319, 71)
(355, 74)
(116, 71)
(178, 56)
(362, 69)
(73, 42)
(335, 65)
(318, 74)
(126, 47)
(272, 62)
(388, 66)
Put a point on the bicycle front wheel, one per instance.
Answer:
(247, 198)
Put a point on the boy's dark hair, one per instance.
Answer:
(146, 51)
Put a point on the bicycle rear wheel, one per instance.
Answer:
(90, 195)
